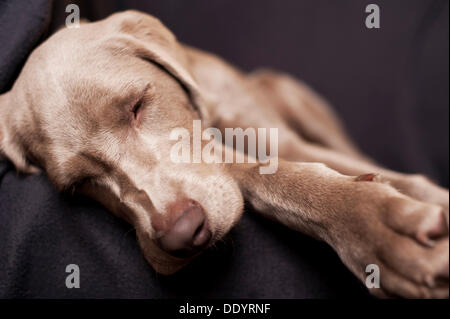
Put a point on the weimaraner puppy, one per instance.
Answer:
(94, 107)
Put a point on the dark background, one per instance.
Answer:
(389, 85)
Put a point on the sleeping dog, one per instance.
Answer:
(94, 107)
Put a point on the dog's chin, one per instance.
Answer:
(162, 262)
(169, 269)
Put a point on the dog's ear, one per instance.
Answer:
(10, 148)
(151, 40)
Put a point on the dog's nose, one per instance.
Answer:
(188, 235)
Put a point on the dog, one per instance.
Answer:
(94, 106)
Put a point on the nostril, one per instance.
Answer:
(202, 235)
(188, 234)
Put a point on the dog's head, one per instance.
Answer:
(94, 107)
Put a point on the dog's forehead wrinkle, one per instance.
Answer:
(94, 91)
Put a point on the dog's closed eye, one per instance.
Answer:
(140, 102)
(137, 108)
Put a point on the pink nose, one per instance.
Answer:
(188, 234)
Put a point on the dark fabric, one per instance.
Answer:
(22, 24)
(389, 85)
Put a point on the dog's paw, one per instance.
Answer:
(423, 189)
(407, 239)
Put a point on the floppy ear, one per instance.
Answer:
(151, 40)
(10, 148)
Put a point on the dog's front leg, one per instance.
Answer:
(366, 222)
(298, 195)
